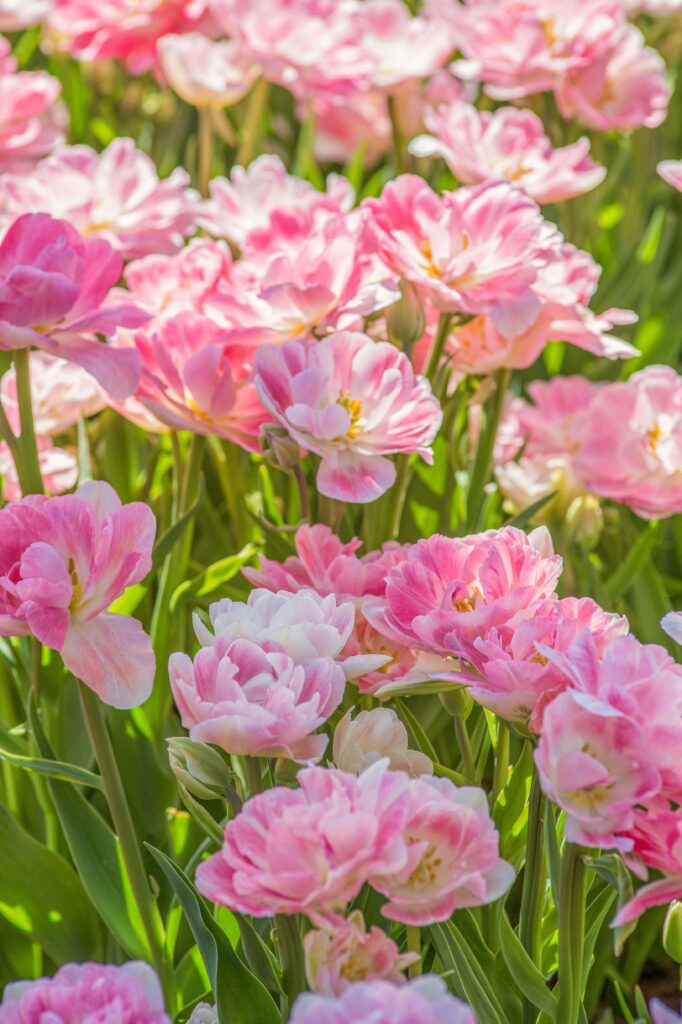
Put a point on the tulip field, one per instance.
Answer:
(340, 512)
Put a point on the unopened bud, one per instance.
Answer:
(585, 521)
(672, 932)
(405, 318)
(457, 703)
(199, 768)
(278, 448)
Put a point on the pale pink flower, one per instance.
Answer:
(511, 144)
(61, 393)
(255, 701)
(627, 90)
(475, 250)
(58, 469)
(349, 953)
(343, 124)
(192, 381)
(425, 1000)
(632, 447)
(206, 73)
(656, 843)
(245, 202)
(183, 282)
(127, 994)
(20, 14)
(352, 401)
(372, 735)
(63, 561)
(310, 850)
(32, 118)
(672, 625)
(204, 1013)
(451, 591)
(115, 195)
(529, 479)
(453, 858)
(554, 423)
(54, 295)
(126, 30)
(305, 625)
(402, 47)
(671, 172)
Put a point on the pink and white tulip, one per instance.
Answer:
(58, 469)
(32, 118)
(371, 736)
(61, 393)
(657, 844)
(64, 561)
(671, 172)
(426, 1000)
(19, 14)
(204, 72)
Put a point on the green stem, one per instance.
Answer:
(438, 346)
(254, 775)
(225, 458)
(414, 945)
(290, 949)
(396, 136)
(28, 466)
(501, 766)
(304, 497)
(534, 885)
(467, 754)
(205, 147)
(571, 934)
(252, 122)
(125, 830)
(399, 494)
(484, 452)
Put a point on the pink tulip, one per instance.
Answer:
(53, 294)
(510, 144)
(475, 250)
(309, 850)
(555, 423)
(191, 380)
(32, 118)
(529, 479)
(58, 469)
(345, 123)
(425, 1000)
(125, 30)
(449, 592)
(245, 202)
(335, 959)
(352, 401)
(671, 171)
(247, 700)
(400, 47)
(371, 736)
(206, 73)
(183, 282)
(453, 857)
(63, 561)
(661, 1014)
(61, 393)
(115, 195)
(129, 994)
(19, 14)
(656, 843)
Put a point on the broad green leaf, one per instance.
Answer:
(213, 577)
(525, 973)
(170, 538)
(523, 518)
(53, 769)
(240, 997)
(40, 894)
(470, 979)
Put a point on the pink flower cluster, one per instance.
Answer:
(63, 561)
(588, 54)
(32, 118)
(129, 994)
(424, 844)
(621, 441)
(425, 1000)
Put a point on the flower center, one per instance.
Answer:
(77, 592)
(426, 871)
(353, 407)
(654, 436)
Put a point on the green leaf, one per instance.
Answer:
(41, 895)
(53, 769)
(213, 577)
(521, 519)
(627, 573)
(97, 856)
(525, 973)
(170, 538)
(240, 997)
(470, 979)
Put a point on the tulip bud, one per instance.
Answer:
(199, 768)
(278, 448)
(672, 932)
(457, 703)
(585, 521)
(405, 318)
(375, 734)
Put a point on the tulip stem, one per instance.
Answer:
(254, 775)
(399, 494)
(290, 949)
(28, 465)
(414, 945)
(252, 124)
(205, 148)
(501, 768)
(396, 136)
(571, 934)
(96, 726)
(484, 451)
(467, 754)
(534, 884)
(438, 345)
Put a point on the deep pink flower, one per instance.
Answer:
(115, 195)
(475, 250)
(671, 171)
(632, 448)
(336, 958)
(206, 73)
(32, 117)
(245, 202)
(657, 844)
(58, 469)
(126, 30)
(53, 295)
(129, 994)
(371, 736)
(353, 401)
(310, 850)
(508, 143)
(63, 561)
(425, 1000)
(449, 592)
(191, 380)
(247, 700)
(453, 855)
